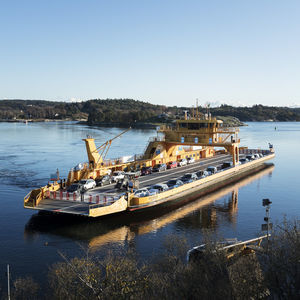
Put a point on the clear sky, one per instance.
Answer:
(164, 52)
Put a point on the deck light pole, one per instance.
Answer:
(268, 226)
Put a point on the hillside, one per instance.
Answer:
(125, 112)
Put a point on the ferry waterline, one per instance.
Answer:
(200, 138)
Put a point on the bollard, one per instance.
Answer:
(74, 196)
(97, 199)
(91, 198)
(54, 195)
(60, 195)
(67, 195)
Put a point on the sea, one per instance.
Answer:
(30, 242)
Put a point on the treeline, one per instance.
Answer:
(40, 109)
(129, 111)
(258, 113)
(94, 111)
(269, 273)
(126, 111)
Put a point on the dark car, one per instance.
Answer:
(226, 165)
(250, 157)
(189, 177)
(201, 174)
(146, 170)
(104, 180)
(159, 167)
(244, 160)
(174, 183)
(211, 170)
(75, 187)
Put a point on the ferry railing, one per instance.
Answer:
(26, 198)
(254, 151)
(101, 199)
(227, 129)
(157, 139)
(219, 130)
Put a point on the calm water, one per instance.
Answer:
(29, 153)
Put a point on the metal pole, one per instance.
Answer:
(8, 283)
(267, 213)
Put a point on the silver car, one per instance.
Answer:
(87, 184)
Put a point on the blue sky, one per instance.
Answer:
(164, 52)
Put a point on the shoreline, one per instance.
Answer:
(140, 125)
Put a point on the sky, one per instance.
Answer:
(236, 52)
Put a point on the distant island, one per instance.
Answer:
(129, 112)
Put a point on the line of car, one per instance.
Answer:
(190, 177)
(170, 165)
(173, 183)
(87, 184)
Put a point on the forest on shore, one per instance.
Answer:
(267, 272)
(129, 111)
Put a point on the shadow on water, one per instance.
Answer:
(199, 214)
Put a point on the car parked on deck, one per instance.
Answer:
(250, 157)
(146, 171)
(134, 173)
(159, 168)
(244, 160)
(201, 174)
(117, 175)
(173, 183)
(152, 191)
(73, 188)
(211, 170)
(190, 160)
(161, 187)
(172, 164)
(189, 177)
(182, 162)
(104, 180)
(141, 193)
(226, 164)
(87, 184)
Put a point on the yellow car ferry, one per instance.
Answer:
(199, 138)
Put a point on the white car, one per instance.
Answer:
(87, 183)
(161, 187)
(142, 193)
(190, 160)
(117, 175)
(182, 162)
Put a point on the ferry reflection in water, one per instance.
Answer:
(199, 214)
